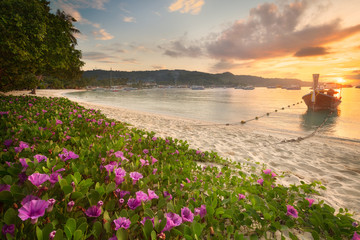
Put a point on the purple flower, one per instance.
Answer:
(153, 160)
(311, 201)
(152, 194)
(99, 204)
(8, 229)
(133, 203)
(58, 122)
(52, 235)
(123, 193)
(200, 211)
(187, 215)
(120, 172)
(54, 177)
(8, 142)
(40, 157)
(23, 145)
(145, 151)
(355, 224)
(273, 174)
(154, 171)
(144, 162)
(140, 195)
(122, 222)
(356, 236)
(260, 181)
(147, 218)
(28, 198)
(198, 152)
(33, 210)
(267, 171)
(136, 176)
(119, 154)
(4, 187)
(38, 178)
(66, 155)
(173, 220)
(23, 162)
(167, 194)
(241, 196)
(110, 167)
(70, 206)
(291, 211)
(93, 211)
(51, 203)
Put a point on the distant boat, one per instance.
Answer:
(194, 87)
(271, 87)
(129, 88)
(357, 86)
(321, 99)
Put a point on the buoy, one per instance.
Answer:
(267, 114)
(256, 118)
(242, 122)
(288, 105)
(227, 124)
(275, 110)
(282, 108)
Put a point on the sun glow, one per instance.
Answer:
(340, 80)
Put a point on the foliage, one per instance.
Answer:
(91, 166)
(35, 42)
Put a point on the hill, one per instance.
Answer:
(183, 77)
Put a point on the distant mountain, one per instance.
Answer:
(183, 77)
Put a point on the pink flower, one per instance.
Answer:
(152, 194)
(173, 220)
(311, 201)
(291, 211)
(133, 203)
(153, 160)
(267, 171)
(93, 211)
(273, 175)
(144, 162)
(119, 154)
(145, 151)
(167, 194)
(58, 122)
(241, 196)
(187, 215)
(154, 171)
(38, 178)
(40, 157)
(200, 211)
(33, 210)
(147, 218)
(356, 236)
(122, 222)
(140, 195)
(260, 181)
(135, 176)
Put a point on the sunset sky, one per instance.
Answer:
(286, 39)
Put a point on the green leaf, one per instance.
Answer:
(39, 234)
(254, 237)
(197, 229)
(97, 227)
(10, 216)
(83, 227)
(47, 230)
(59, 234)
(153, 235)
(78, 234)
(7, 179)
(77, 195)
(134, 219)
(6, 196)
(110, 187)
(148, 213)
(148, 227)
(68, 232)
(121, 234)
(71, 224)
(67, 189)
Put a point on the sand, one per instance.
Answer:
(333, 162)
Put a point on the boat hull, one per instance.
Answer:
(322, 102)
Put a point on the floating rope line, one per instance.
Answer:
(245, 121)
(299, 139)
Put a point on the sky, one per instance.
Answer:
(267, 38)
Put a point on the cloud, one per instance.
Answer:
(311, 51)
(180, 48)
(224, 65)
(129, 19)
(273, 31)
(98, 56)
(355, 76)
(130, 61)
(187, 6)
(102, 35)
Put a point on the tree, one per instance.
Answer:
(35, 42)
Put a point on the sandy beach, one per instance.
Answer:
(338, 170)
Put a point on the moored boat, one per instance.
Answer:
(197, 87)
(321, 99)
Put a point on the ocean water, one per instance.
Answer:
(231, 106)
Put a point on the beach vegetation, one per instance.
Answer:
(34, 43)
(67, 172)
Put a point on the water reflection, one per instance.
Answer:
(310, 120)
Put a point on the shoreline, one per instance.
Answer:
(333, 162)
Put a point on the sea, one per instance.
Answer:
(267, 110)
